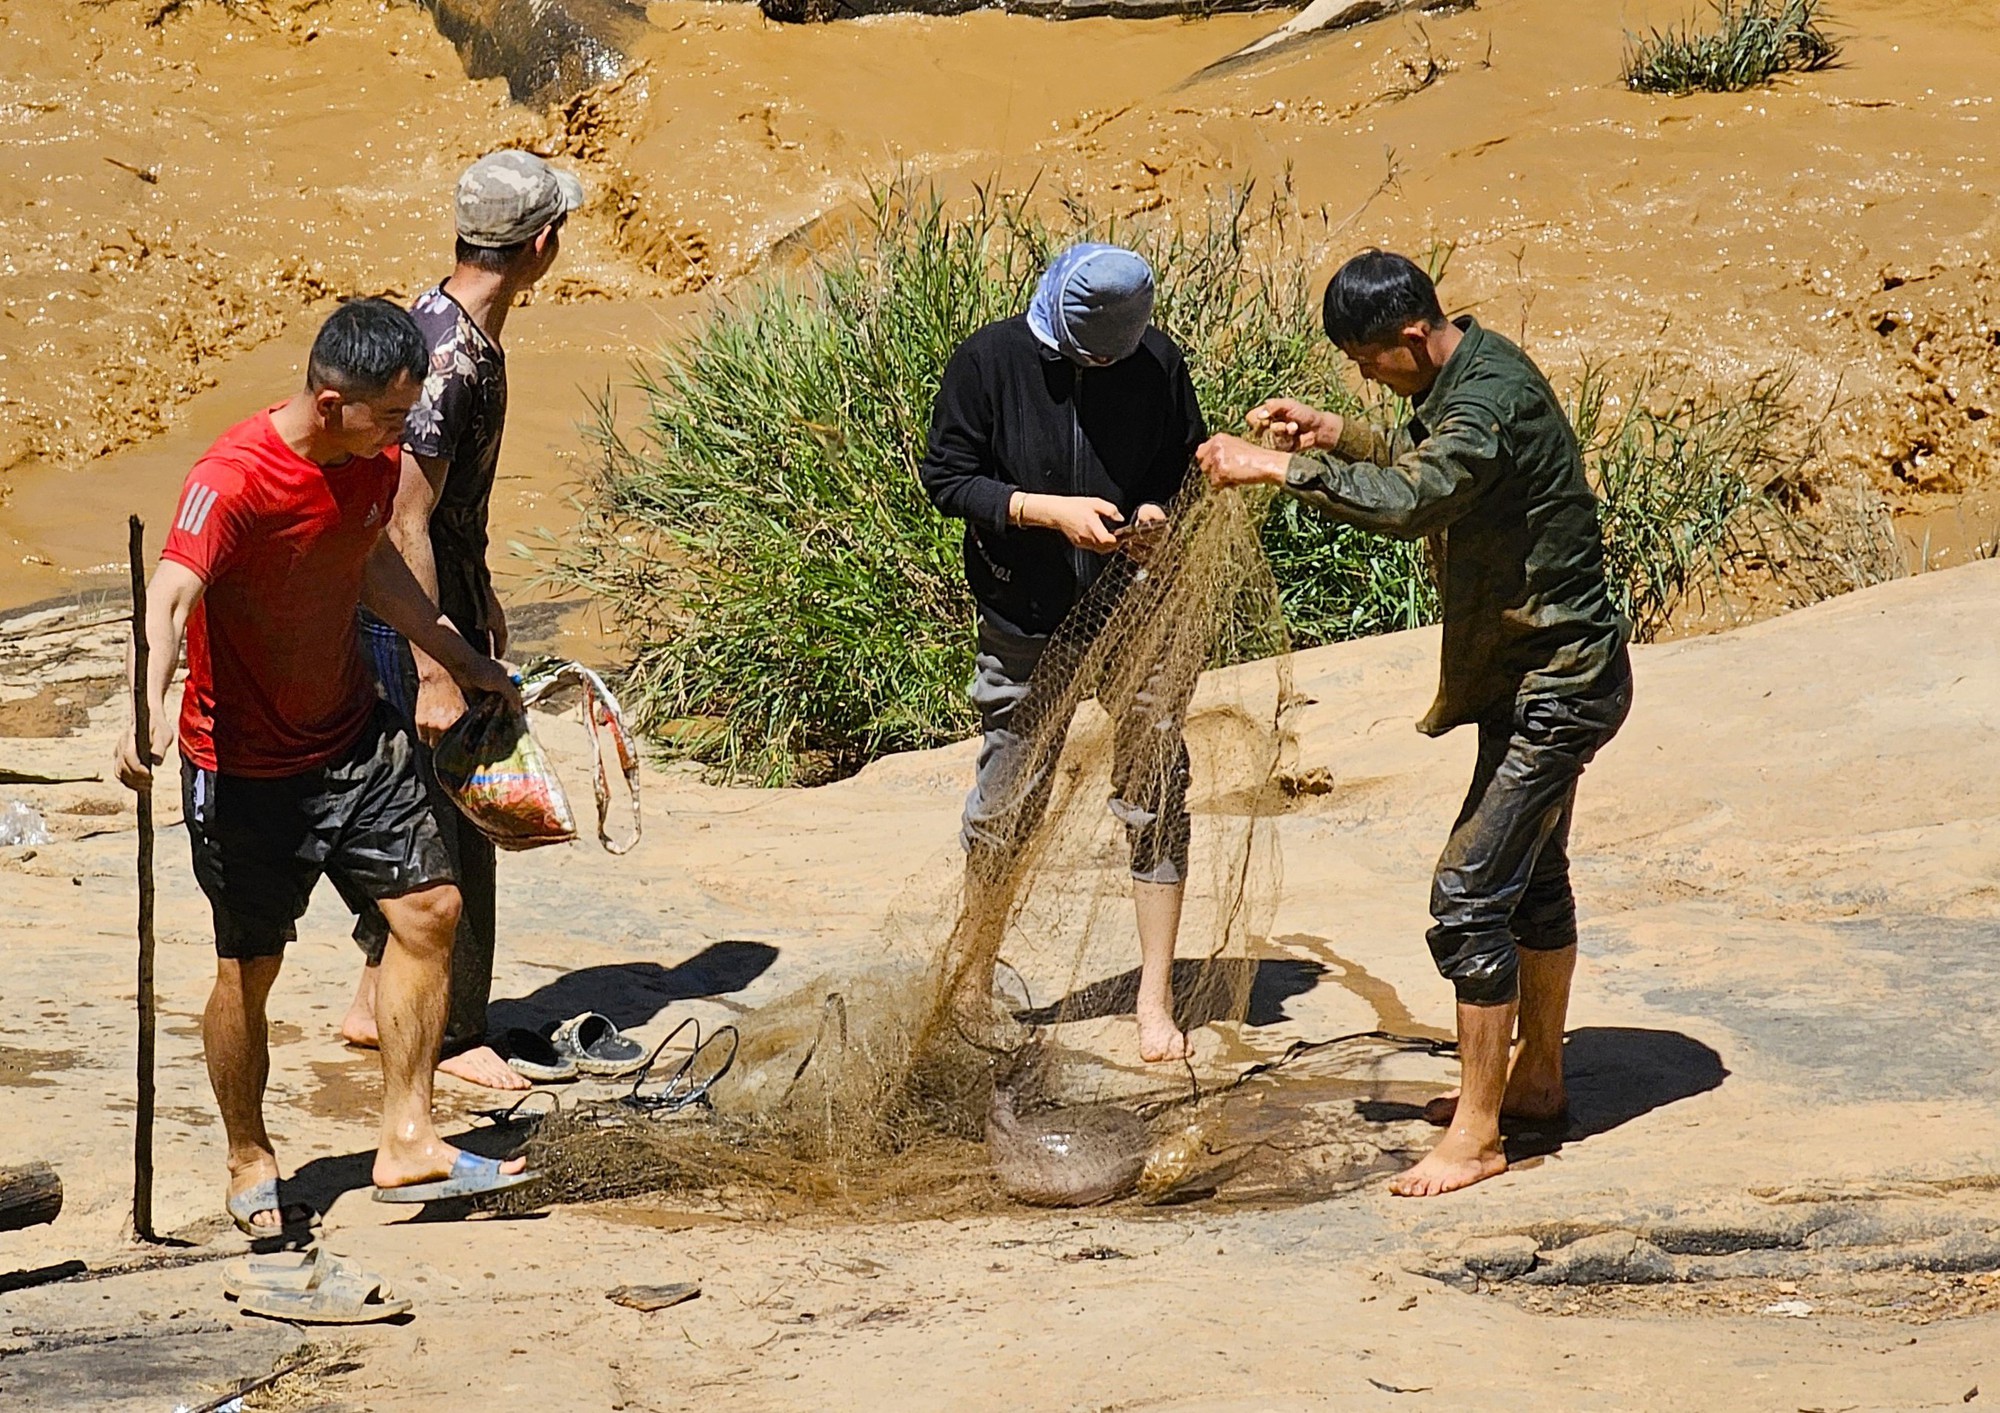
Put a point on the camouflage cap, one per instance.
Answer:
(506, 197)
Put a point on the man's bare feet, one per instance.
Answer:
(1458, 1161)
(358, 1027)
(1159, 1038)
(482, 1065)
(1534, 1095)
(431, 1162)
(1540, 1107)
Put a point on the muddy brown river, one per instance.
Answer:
(187, 187)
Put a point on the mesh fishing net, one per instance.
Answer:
(991, 1053)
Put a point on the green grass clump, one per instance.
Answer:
(1681, 476)
(762, 540)
(1752, 42)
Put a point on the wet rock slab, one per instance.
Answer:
(1940, 1228)
(141, 1369)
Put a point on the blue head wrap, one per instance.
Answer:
(1093, 303)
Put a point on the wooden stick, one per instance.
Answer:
(142, 737)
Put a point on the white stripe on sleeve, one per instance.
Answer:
(194, 510)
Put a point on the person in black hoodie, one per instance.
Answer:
(1053, 432)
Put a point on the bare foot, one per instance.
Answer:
(1458, 1161)
(1160, 1039)
(358, 1026)
(482, 1065)
(429, 1163)
(1535, 1102)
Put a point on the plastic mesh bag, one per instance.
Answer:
(494, 770)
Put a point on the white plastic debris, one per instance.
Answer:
(22, 824)
(1790, 1309)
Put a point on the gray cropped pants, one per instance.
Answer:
(1149, 771)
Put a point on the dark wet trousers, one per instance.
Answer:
(472, 857)
(1503, 880)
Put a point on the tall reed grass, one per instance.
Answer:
(1751, 43)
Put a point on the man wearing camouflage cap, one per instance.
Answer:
(509, 212)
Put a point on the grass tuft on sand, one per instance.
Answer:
(1752, 42)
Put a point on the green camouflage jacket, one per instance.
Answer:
(1489, 471)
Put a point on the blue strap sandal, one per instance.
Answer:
(263, 1197)
(471, 1176)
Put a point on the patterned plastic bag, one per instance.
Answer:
(493, 769)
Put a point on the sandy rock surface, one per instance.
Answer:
(1780, 1057)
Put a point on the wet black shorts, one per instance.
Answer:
(260, 846)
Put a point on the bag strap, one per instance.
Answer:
(601, 712)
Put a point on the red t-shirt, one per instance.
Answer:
(276, 683)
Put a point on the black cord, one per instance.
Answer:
(498, 1117)
(672, 1099)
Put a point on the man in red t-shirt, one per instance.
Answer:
(291, 766)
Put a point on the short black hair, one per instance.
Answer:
(494, 259)
(364, 346)
(1375, 295)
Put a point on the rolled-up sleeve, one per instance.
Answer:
(957, 471)
(1414, 495)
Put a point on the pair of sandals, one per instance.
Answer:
(588, 1044)
(310, 1288)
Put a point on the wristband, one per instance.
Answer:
(1016, 504)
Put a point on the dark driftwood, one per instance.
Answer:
(30, 1196)
(142, 736)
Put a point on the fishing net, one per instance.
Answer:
(992, 1052)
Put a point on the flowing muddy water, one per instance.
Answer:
(183, 198)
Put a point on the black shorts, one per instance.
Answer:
(260, 846)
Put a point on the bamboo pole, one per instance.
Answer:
(142, 736)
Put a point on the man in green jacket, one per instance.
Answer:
(1489, 471)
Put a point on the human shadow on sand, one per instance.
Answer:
(632, 993)
(1615, 1074)
(1204, 992)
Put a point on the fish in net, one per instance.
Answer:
(988, 1055)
